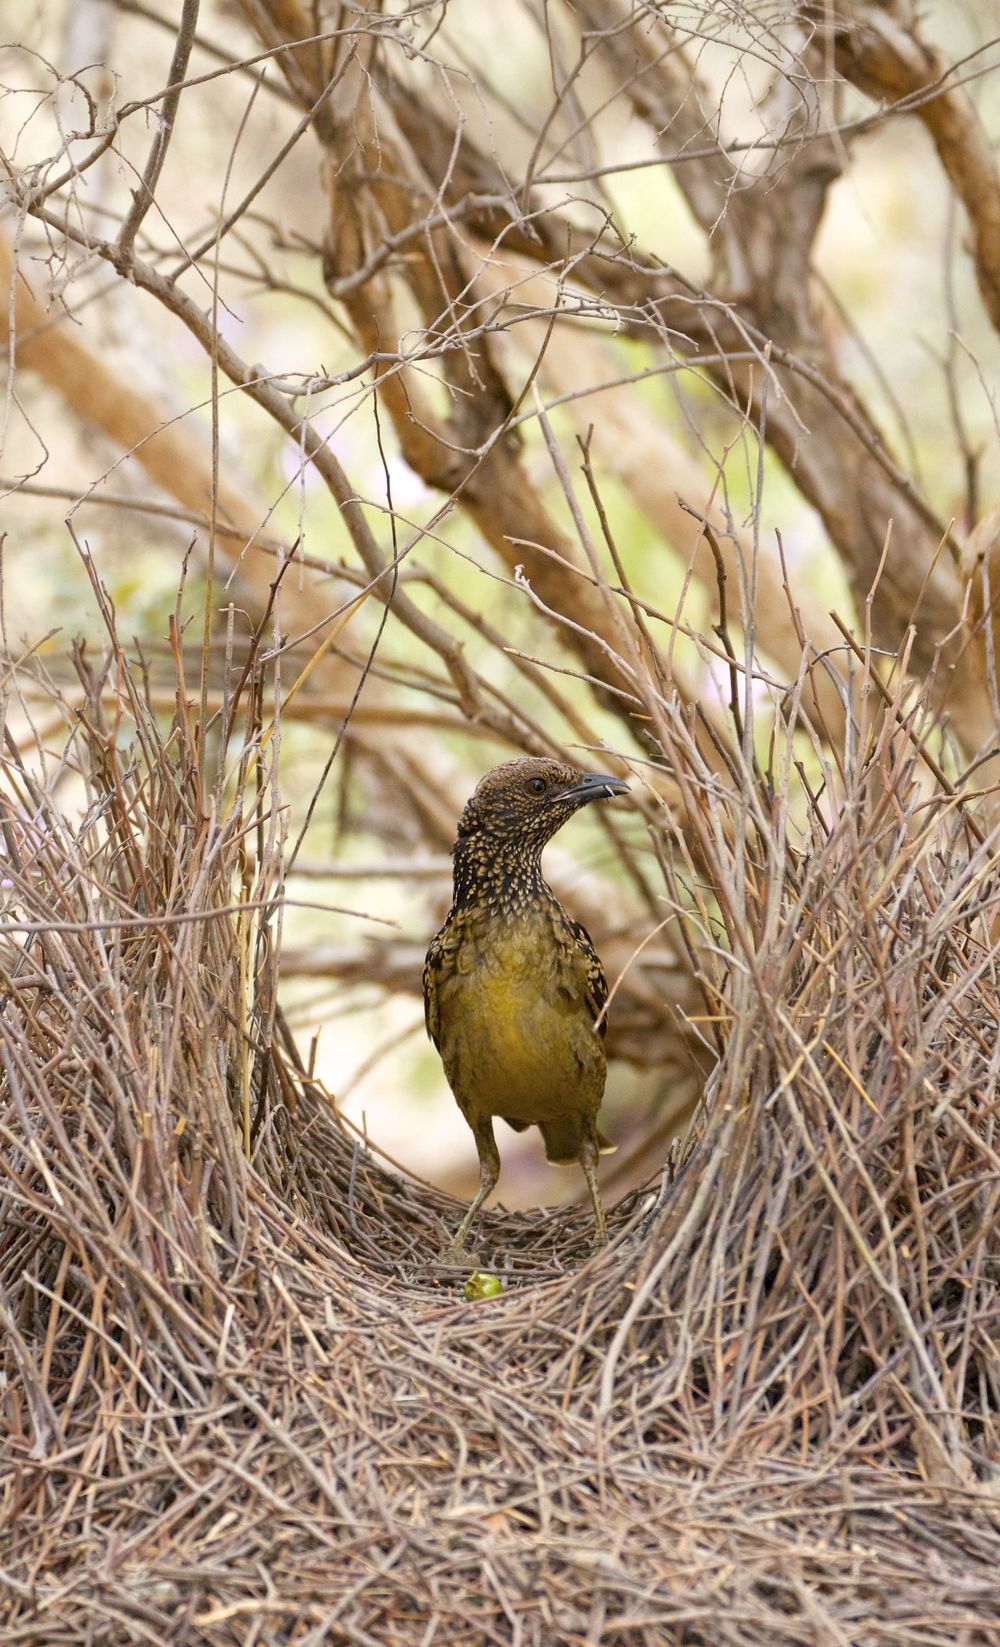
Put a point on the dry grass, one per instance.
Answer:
(243, 1403)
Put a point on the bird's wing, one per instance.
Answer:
(432, 966)
(587, 965)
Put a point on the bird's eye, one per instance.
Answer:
(537, 786)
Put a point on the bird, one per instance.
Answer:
(514, 990)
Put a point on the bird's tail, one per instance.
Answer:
(564, 1137)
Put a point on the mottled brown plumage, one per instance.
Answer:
(513, 988)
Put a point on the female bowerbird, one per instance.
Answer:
(514, 990)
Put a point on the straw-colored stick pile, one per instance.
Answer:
(244, 1403)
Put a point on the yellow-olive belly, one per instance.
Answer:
(516, 1037)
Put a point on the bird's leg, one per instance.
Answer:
(489, 1172)
(589, 1156)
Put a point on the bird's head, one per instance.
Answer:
(524, 802)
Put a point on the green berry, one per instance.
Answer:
(480, 1285)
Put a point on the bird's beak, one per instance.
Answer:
(596, 786)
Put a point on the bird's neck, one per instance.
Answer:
(498, 875)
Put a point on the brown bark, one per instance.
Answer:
(375, 184)
(761, 302)
(762, 230)
(879, 50)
